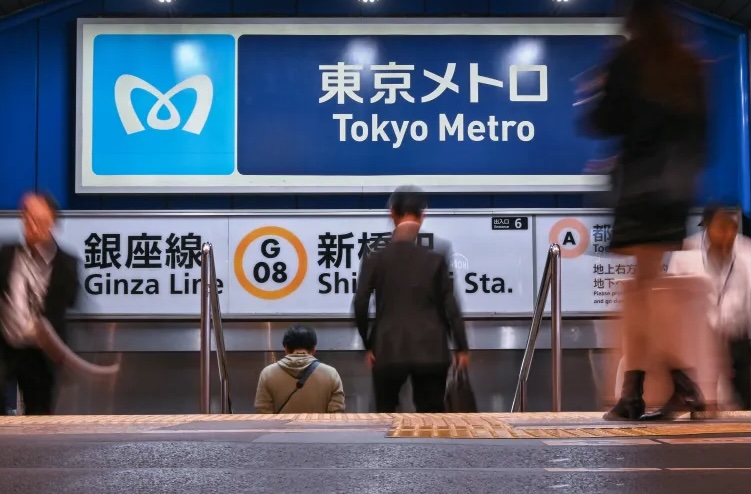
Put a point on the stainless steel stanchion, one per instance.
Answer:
(555, 325)
(205, 403)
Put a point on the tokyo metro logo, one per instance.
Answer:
(132, 124)
(163, 104)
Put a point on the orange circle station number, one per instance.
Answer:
(249, 285)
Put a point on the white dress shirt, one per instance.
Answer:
(28, 283)
(730, 298)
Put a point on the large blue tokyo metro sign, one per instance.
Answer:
(331, 106)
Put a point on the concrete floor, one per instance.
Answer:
(274, 457)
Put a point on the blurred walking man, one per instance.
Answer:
(416, 313)
(722, 255)
(38, 280)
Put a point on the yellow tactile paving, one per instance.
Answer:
(77, 429)
(459, 426)
(556, 426)
(99, 419)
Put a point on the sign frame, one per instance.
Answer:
(86, 182)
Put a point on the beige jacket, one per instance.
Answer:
(322, 393)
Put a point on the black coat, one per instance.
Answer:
(662, 149)
(416, 309)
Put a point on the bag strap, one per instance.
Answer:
(300, 382)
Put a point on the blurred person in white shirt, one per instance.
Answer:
(723, 255)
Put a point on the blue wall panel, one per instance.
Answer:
(394, 7)
(375, 201)
(328, 8)
(719, 185)
(511, 8)
(152, 8)
(524, 201)
(329, 202)
(457, 7)
(461, 201)
(38, 131)
(202, 202)
(18, 104)
(57, 104)
(123, 202)
(585, 7)
(264, 202)
(264, 7)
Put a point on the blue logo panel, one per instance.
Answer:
(414, 105)
(164, 105)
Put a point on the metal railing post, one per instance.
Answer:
(221, 354)
(211, 318)
(555, 324)
(551, 283)
(205, 399)
(226, 406)
(529, 350)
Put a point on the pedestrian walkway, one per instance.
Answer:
(371, 453)
(440, 426)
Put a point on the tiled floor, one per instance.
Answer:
(368, 453)
(445, 426)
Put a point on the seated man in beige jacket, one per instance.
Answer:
(299, 383)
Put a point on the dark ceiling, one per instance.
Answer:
(736, 10)
(9, 6)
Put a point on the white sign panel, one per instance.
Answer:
(10, 230)
(144, 265)
(309, 265)
(590, 275)
(139, 266)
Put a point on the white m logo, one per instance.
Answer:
(127, 83)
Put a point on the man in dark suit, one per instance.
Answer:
(416, 313)
(37, 280)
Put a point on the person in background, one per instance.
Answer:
(416, 313)
(38, 279)
(724, 256)
(299, 383)
(652, 98)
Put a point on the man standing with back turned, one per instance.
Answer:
(416, 313)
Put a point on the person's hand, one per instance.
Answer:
(462, 360)
(370, 358)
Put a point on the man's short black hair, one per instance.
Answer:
(408, 201)
(300, 338)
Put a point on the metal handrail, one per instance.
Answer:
(211, 317)
(551, 282)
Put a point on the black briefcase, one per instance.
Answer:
(460, 398)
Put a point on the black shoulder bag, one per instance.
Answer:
(300, 383)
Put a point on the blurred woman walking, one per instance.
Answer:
(652, 98)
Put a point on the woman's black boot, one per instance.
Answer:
(686, 398)
(631, 404)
